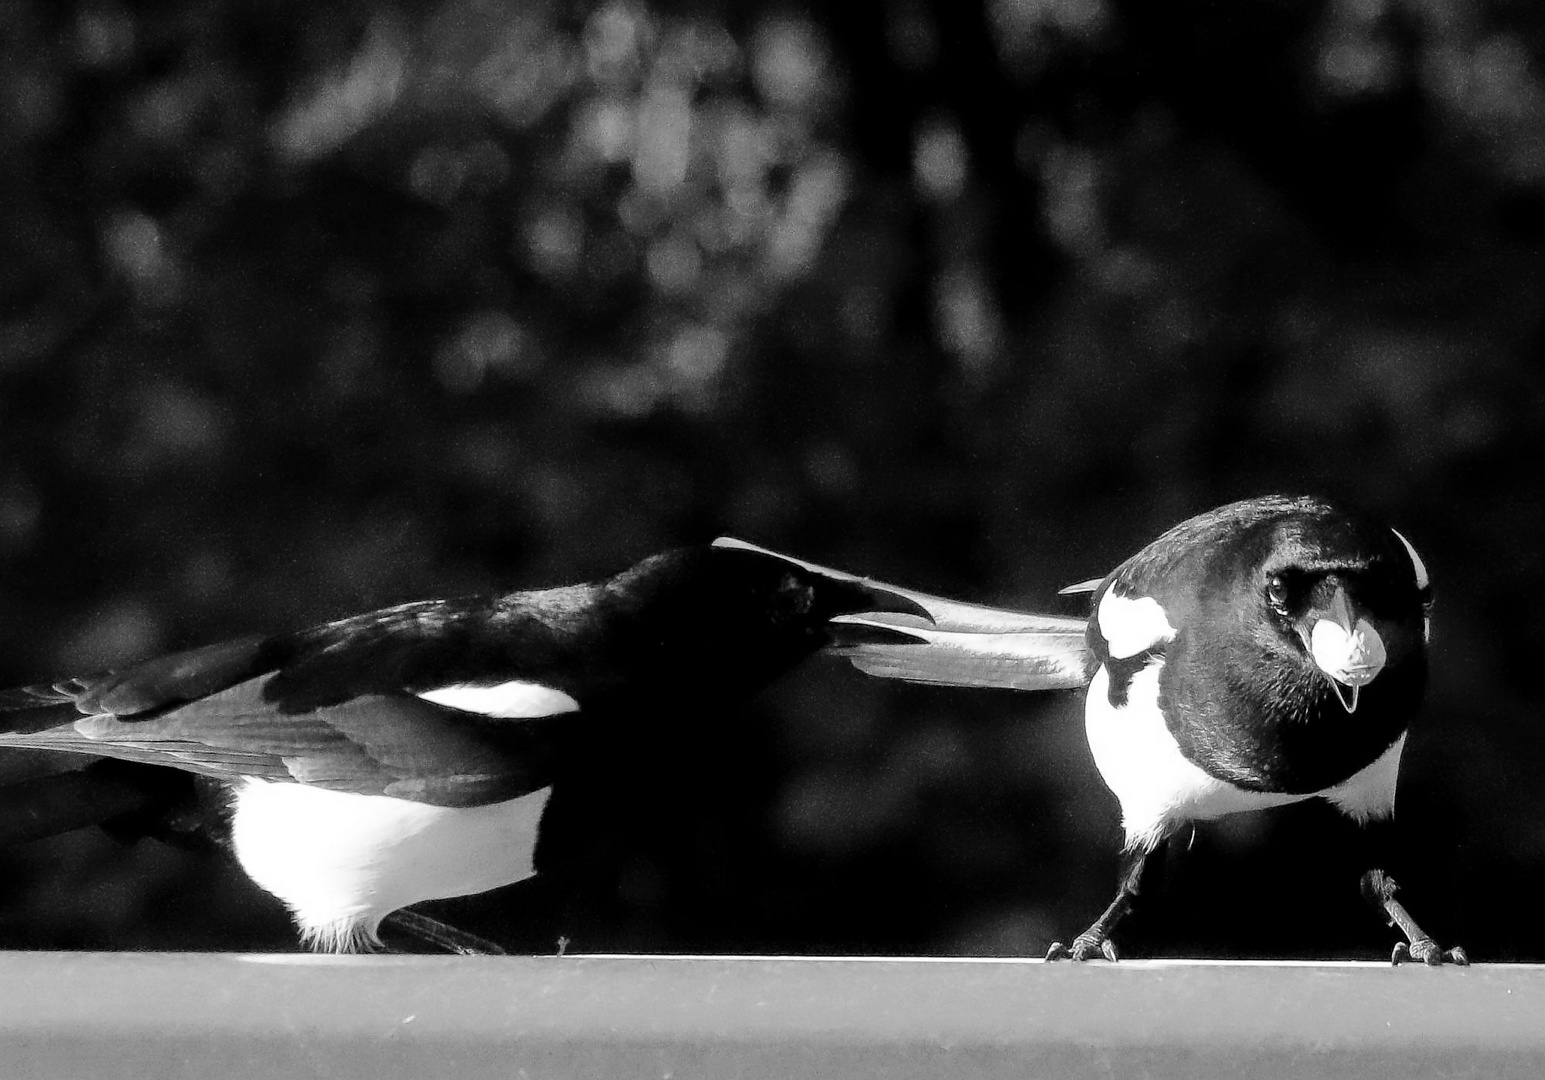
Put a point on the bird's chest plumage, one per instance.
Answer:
(1262, 722)
(341, 861)
(1168, 767)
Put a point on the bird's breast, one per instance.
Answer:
(341, 861)
(1158, 785)
(1264, 724)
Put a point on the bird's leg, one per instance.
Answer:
(440, 935)
(1097, 939)
(1379, 890)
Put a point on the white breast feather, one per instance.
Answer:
(513, 700)
(341, 861)
(1160, 790)
(1369, 795)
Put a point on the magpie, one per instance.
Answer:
(409, 753)
(1266, 652)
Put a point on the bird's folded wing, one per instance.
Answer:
(966, 644)
(376, 744)
(259, 708)
(158, 684)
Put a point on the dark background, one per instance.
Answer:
(312, 307)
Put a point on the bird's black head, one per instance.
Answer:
(731, 619)
(1339, 594)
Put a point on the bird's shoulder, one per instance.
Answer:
(537, 638)
(1197, 574)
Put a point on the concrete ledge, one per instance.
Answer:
(74, 1015)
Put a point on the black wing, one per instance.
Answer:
(335, 706)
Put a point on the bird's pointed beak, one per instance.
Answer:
(1346, 694)
(897, 633)
(856, 596)
(1341, 641)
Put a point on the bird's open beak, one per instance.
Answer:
(918, 637)
(855, 596)
(1341, 642)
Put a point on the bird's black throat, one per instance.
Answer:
(1273, 727)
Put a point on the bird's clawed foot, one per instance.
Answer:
(1096, 940)
(1379, 890)
(1086, 946)
(1426, 951)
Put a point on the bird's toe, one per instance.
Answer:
(1084, 947)
(1427, 951)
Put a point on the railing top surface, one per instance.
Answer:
(81, 1015)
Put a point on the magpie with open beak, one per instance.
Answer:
(1267, 652)
(408, 754)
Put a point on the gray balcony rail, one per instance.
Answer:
(169, 1016)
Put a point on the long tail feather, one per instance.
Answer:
(28, 709)
(48, 805)
(1051, 657)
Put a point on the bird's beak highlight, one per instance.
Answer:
(856, 597)
(1342, 644)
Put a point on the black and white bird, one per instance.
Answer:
(408, 754)
(1267, 652)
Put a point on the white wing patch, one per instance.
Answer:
(514, 700)
(1416, 561)
(1131, 625)
(342, 861)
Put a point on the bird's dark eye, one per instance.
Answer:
(792, 599)
(1277, 594)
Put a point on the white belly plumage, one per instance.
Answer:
(1159, 789)
(341, 861)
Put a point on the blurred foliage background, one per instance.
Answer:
(312, 307)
